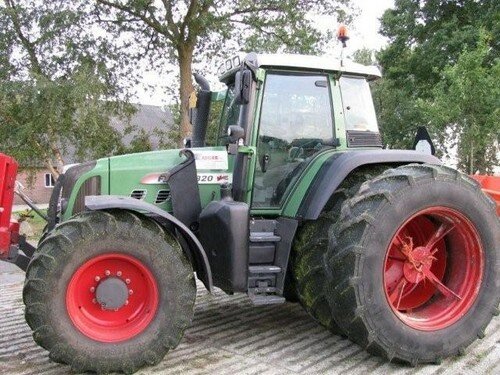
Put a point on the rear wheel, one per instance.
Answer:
(414, 276)
(109, 291)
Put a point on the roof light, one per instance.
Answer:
(342, 35)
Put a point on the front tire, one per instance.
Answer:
(414, 276)
(109, 292)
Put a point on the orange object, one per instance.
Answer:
(491, 186)
(342, 34)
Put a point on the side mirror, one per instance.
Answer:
(242, 85)
(423, 142)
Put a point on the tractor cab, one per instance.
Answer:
(286, 110)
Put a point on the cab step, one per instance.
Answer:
(269, 248)
(264, 269)
(264, 237)
(269, 299)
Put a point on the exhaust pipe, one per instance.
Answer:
(200, 122)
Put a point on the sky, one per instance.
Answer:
(363, 33)
(365, 28)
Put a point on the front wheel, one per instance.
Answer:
(109, 291)
(414, 276)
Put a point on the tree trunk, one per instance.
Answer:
(471, 170)
(185, 57)
(55, 173)
(59, 159)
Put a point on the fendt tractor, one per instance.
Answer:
(297, 200)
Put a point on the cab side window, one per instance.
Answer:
(295, 124)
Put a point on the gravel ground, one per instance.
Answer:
(230, 336)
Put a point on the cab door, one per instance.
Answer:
(296, 123)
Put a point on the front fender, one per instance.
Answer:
(105, 202)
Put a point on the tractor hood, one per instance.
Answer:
(137, 175)
(126, 170)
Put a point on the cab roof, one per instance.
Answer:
(299, 62)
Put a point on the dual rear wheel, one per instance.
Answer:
(411, 264)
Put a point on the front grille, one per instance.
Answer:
(162, 196)
(356, 138)
(91, 186)
(70, 178)
(138, 194)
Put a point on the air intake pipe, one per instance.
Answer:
(200, 119)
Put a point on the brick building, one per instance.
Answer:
(38, 181)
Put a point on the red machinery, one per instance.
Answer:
(9, 228)
(10, 240)
(491, 186)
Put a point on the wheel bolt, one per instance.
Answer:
(94, 300)
(92, 290)
(107, 272)
(119, 273)
(127, 281)
(97, 278)
(126, 302)
(130, 291)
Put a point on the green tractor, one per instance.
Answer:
(297, 200)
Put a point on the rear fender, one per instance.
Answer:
(340, 165)
(194, 247)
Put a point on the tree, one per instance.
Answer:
(466, 108)
(426, 36)
(365, 56)
(190, 30)
(426, 40)
(59, 84)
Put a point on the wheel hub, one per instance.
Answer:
(111, 293)
(112, 297)
(418, 264)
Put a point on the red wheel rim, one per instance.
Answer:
(433, 269)
(117, 324)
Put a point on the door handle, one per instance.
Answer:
(264, 162)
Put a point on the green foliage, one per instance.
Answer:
(172, 138)
(58, 84)
(213, 123)
(364, 56)
(441, 54)
(466, 108)
(42, 120)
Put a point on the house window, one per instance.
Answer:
(49, 180)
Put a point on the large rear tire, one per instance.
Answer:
(109, 292)
(414, 276)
